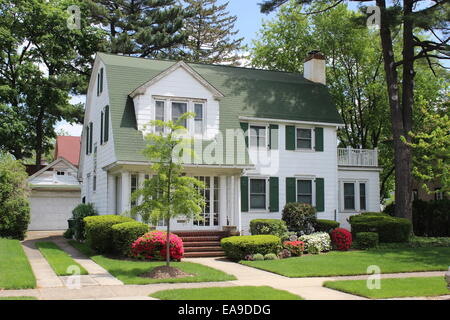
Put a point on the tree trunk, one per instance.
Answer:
(403, 197)
(168, 243)
(402, 153)
(39, 136)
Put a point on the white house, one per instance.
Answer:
(265, 138)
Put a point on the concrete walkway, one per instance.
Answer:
(99, 284)
(47, 278)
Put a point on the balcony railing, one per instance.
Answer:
(358, 157)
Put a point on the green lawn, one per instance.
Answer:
(18, 298)
(15, 270)
(226, 293)
(128, 271)
(58, 259)
(393, 288)
(337, 263)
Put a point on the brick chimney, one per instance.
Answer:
(314, 67)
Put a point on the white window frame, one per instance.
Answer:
(313, 188)
(356, 195)
(202, 103)
(190, 107)
(313, 142)
(266, 126)
(261, 210)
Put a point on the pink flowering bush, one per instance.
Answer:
(152, 246)
(295, 247)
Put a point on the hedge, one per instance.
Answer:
(366, 240)
(323, 225)
(430, 218)
(236, 248)
(389, 229)
(274, 227)
(124, 234)
(99, 231)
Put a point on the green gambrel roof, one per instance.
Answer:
(247, 92)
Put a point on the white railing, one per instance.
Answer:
(358, 157)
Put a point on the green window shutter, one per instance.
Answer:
(320, 194)
(91, 131)
(274, 193)
(106, 133)
(290, 190)
(319, 138)
(273, 134)
(244, 194)
(101, 80)
(87, 140)
(101, 127)
(290, 138)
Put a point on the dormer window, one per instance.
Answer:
(178, 108)
(159, 114)
(198, 120)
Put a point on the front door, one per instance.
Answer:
(210, 214)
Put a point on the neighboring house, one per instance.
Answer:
(420, 193)
(288, 151)
(68, 147)
(55, 189)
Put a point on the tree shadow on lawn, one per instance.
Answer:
(436, 258)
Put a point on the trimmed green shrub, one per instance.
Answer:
(299, 217)
(236, 248)
(389, 229)
(275, 227)
(14, 204)
(373, 214)
(270, 256)
(80, 212)
(258, 257)
(99, 231)
(430, 218)
(323, 225)
(68, 234)
(366, 240)
(124, 234)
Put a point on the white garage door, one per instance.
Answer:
(50, 210)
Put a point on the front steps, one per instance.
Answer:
(202, 243)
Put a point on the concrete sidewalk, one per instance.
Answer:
(99, 284)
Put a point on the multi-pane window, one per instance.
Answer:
(178, 108)
(198, 120)
(304, 138)
(258, 137)
(159, 114)
(349, 196)
(362, 196)
(438, 195)
(304, 191)
(133, 187)
(258, 194)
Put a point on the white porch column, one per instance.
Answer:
(111, 194)
(223, 208)
(238, 203)
(232, 205)
(125, 191)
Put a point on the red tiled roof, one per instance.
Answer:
(68, 147)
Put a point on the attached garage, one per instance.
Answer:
(51, 209)
(55, 192)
